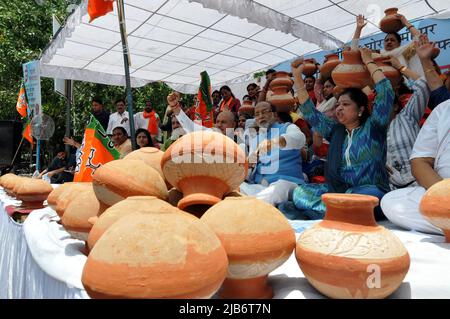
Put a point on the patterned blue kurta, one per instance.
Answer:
(363, 151)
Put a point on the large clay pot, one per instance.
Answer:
(309, 67)
(391, 24)
(351, 73)
(76, 216)
(281, 96)
(127, 206)
(204, 166)
(33, 192)
(7, 181)
(119, 179)
(435, 206)
(348, 255)
(331, 62)
(152, 255)
(257, 238)
(247, 108)
(389, 71)
(150, 156)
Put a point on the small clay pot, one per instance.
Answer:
(351, 73)
(309, 67)
(435, 206)
(257, 238)
(281, 96)
(348, 255)
(247, 108)
(33, 192)
(391, 24)
(331, 61)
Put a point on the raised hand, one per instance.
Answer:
(424, 48)
(360, 22)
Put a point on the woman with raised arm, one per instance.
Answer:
(357, 154)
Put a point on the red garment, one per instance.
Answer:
(321, 151)
(312, 96)
(152, 123)
(231, 105)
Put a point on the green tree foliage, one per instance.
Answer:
(25, 31)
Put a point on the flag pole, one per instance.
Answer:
(17, 151)
(126, 61)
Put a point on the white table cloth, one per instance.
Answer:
(39, 260)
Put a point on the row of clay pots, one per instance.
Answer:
(31, 191)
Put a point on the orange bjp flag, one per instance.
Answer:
(27, 134)
(22, 103)
(97, 149)
(98, 8)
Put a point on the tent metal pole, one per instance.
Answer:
(126, 61)
(69, 99)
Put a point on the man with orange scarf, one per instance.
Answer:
(148, 120)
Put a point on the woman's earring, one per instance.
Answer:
(360, 114)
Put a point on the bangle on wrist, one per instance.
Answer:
(376, 71)
(402, 69)
(371, 62)
(411, 26)
(430, 70)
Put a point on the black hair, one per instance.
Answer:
(310, 77)
(396, 35)
(403, 89)
(330, 79)
(253, 85)
(226, 87)
(97, 100)
(124, 131)
(270, 71)
(361, 99)
(215, 91)
(147, 133)
(246, 97)
(120, 100)
(246, 115)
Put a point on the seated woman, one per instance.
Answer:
(121, 141)
(357, 154)
(143, 138)
(430, 162)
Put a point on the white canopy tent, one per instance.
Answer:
(174, 40)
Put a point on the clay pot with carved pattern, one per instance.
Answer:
(257, 238)
(348, 255)
(351, 73)
(204, 166)
(390, 23)
(331, 62)
(281, 96)
(435, 206)
(389, 71)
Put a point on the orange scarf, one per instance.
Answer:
(225, 106)
(152, 125)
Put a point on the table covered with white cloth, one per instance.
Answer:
(39, 259)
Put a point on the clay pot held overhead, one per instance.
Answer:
(391, 24)
(389, 71)
(281, 96)
(257, 238)
(309, 67)
(153, 255)
(348, 255)
(435, 206)
(204, 166)
(331, 62)
(351, 73)
(247, 108)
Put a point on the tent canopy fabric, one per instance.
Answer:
(175, 40)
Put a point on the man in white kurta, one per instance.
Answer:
(402, 206)
(119, 118)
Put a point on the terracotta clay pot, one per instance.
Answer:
(309, 67)
(257, 238)
(348, 255)
(33, 192)
(77, 214)
(389, 71)
(331, 62)
(150, 156)
(391, 24)
(127, 206)
(247, 108)
(71, 187)
(153, 255)
(204, 166)
(435, 206)
(7, 182)
(119, 179)
(351, 73)
(281, 96)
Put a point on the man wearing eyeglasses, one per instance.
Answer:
(274, 156)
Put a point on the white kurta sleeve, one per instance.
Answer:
(187, 124)
(295, 139)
